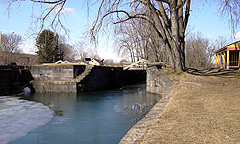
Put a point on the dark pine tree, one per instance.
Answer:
(47, 45)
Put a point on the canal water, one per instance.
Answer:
(102, 117)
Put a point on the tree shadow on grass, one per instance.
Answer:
(230, 73)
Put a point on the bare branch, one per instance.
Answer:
(187, 14)
(48, 2)
(231, 8)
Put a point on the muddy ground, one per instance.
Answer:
(204, 108)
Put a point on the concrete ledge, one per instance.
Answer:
(138, 130)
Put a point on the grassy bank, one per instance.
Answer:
(204, 108)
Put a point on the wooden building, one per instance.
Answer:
(229, 56)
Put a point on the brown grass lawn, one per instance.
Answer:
(204, 108)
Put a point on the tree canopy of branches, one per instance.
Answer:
(168, 18)
(65, 51)
(47, 45)
(138, 40)
(199, 51)
(83, 50)
(9, 45)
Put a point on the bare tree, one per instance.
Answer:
(230, 8)
(220, 42)
(50, 12)
(83, 50)
(199, 51)
(65, 51)
(9, 45)
(139, 41)
(11, 42)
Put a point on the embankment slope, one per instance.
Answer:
(204, 108)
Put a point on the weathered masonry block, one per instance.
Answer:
(54, 86)
(79, 78)
(103, 77)
(56, 72)
(156, 81)
(56, 78)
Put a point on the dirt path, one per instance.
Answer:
(204, 108)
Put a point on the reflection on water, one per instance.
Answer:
(91, 117)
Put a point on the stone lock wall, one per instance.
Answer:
(159, 84)
(103, 77)
(67, 78)
(79, 78)
(13, 79)
(56, 72)
(156, 81)
(52, 72)
(56, 78)
(54, 86)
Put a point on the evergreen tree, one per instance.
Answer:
(47, 45)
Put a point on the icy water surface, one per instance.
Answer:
(18, 117)
(102, 117)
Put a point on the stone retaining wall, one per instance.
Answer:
(159, 84)
(56, 72)
(156, 81)
(79, 78)
(102, 77)
(56, 78)
(54, 86)
(12, 79)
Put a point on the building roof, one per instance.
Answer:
(232, 45)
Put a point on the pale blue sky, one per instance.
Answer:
(203, 18)
(207, 20)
